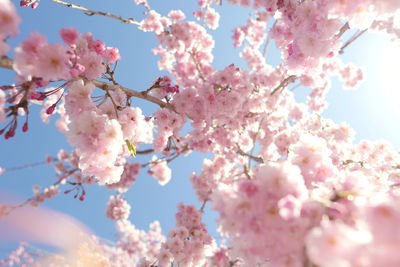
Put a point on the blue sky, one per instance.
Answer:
(368, 109)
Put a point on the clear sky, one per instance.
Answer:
(373, 110)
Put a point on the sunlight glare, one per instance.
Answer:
(390, 74)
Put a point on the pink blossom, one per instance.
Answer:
(249, 188)
(2, 106)
(111, 55)
(238, 37)
(153, 23)
(256, 216)
(289, 186)
(128, 177)
(62, 155)
(20, 256)
(26, 55)
(220, 259)
(187, 243)
(117, 208)
(160, 171)
(141, 2)
(336, 244)
(212, 18)
(45, 194)
(97, 46)
(78, 99)
(99, 142)
(93, 64)
(134, 126)
(176, 15)
(52, 62)
(383, 219)
(33, 42)
(69, 35)
(9, 19)
(25, 63)
(289, 207)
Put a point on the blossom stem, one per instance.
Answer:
(90, 12)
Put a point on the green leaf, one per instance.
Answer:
(131, 147)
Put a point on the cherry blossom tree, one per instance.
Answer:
(290, 187)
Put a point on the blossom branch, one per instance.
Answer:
(284, 83)
(130, 92)
(256, 159)
(7, 63)
(167, 159)
(90, 12)
(7, 209)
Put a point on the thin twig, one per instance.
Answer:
(268, 40)
(246, 171)
(143, 152)
(294, 87)
(284, 83)
(197, 64)
(255, 140)
(114, 104)
(155, 85)
(342, 30)
(352, 39)
(256, 159)
(168, 158)
(27, 166)
(203, 205)
(90, 12)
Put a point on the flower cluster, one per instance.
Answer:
(117, 208)
(84, 56)
(188, 242)
(99, 135)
